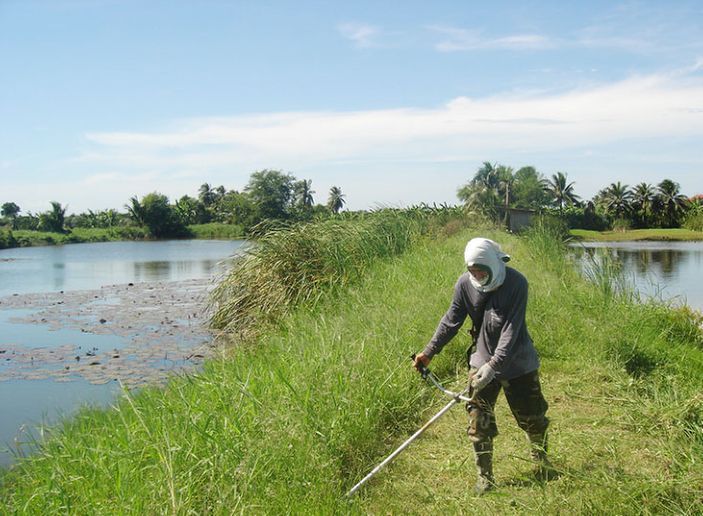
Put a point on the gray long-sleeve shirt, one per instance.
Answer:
(503, 340)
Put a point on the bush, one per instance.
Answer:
(621, 225)
(694, 219)
(290, 265)
(7, 239)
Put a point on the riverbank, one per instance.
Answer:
(292, 420)
(25, 238)
(675, 234)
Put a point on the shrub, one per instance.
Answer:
(7, 239)
(293, 264)
(621, 225)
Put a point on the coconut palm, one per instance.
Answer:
(562, 192)
(336, 201)
(483, 193)
(672, 202)
(302, 193)
(206, 194)
(54, 219)
(135, 211)
(616, 200)
(643, 197)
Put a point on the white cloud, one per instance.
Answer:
(457, 39)
(363, 35)
(342, 147)
(647, 106)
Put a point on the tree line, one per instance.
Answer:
(494, 189)
(269, 194)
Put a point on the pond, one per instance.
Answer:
(80, 320)
(670, 271)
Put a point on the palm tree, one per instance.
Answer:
(506, 180)
(336, 199)
(53, 220)
(302, 190)
(673, 203)
(643, 196)
(206, 194)
(616, 199)
(136, 211)
(483, 193)
(562, 193)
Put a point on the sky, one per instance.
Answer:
(395, 102)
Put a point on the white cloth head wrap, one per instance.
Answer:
(486, 253)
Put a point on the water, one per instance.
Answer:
(46, 353)
(670, 271)
(90, 266)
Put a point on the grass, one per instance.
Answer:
(637, 234)
(297, 264)
(288, 422)
(216, 230)
(28, 238)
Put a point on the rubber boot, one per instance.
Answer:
(544, 470)
(484, 463)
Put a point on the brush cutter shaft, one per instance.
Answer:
(403, 446)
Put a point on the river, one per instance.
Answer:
(669, 271)
(80, 320)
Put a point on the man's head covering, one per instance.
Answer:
(486, 254)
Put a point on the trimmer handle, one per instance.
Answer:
(422, 369)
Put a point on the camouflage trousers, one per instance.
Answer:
(524, 395)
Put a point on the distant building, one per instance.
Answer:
(517, 219)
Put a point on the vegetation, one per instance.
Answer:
(294, 416)
(269, 198)
(216, 230)
(495, 189)
(7, 239)
(291, 265)
(637, 234)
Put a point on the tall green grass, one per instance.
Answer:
(289, 425)
(293, 265)
(216, 230)
(281, 427)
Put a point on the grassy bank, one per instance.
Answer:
(637, 234)
(289, 421)
(27, 238)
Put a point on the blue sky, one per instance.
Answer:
(396, 102)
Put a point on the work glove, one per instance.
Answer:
(483, 377)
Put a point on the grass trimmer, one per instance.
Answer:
(456, 398)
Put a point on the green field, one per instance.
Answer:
(637, 234)
(287, 421)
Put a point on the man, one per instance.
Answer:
(495, 298)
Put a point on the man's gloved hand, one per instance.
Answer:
(421, 360)
(483, 377)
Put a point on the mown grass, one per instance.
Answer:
(637, 234)
(624, 381)
(289, 422)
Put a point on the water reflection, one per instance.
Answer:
(662, 269)
(89, 266)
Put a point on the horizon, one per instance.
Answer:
(117, 98)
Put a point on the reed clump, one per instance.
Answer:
(295, 264)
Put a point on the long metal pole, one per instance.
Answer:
(403, 446)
